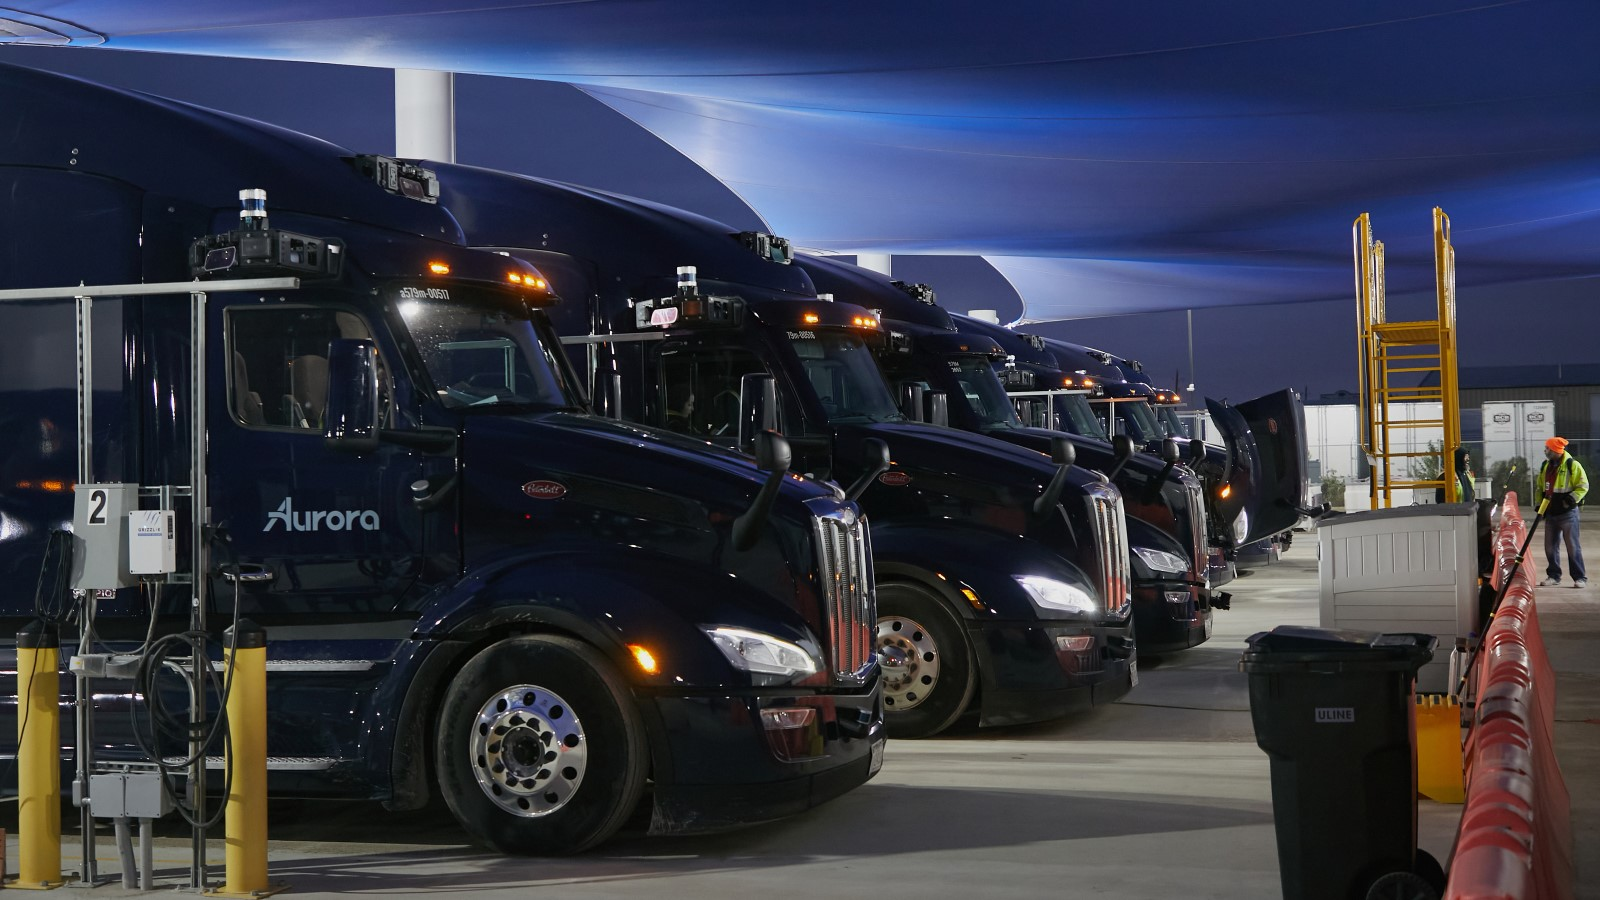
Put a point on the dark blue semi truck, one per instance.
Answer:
(472, 587)
(1262, 464)
(1172, 597)
(1002, 576)
(1280, 462)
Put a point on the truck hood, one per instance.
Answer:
(1167, 513)
(1266, 439)
(683, 478)
(942, 473)
(915, 448)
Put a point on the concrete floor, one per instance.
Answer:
(1162, 795)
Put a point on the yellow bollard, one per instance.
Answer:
(1439, 764)
(38, 758)
(246, 814)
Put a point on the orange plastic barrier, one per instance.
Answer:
(1515, 836)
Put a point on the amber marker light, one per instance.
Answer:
(439, 268)
(645, 659)
(53, 486)
(1227, 491)
(811, 318)
(515, 277)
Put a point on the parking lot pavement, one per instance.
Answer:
(1162, 795)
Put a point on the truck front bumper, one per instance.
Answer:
(726, 760)
(1034, 672)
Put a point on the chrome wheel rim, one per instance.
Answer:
(909, 661)
(528, 750)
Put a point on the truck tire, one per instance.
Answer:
(540, 749)
(929, 676)
(1401, 886)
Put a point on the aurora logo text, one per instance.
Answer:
(321, 519)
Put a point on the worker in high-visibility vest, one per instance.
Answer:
(1562, 479)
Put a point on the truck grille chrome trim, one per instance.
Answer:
(1111, 540)
(1199, 554)
(850, 602)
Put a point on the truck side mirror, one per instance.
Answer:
(911, 401)
(772, 453)
(1197, 451)
(1063, 454)
(1170, 454)
(350, 420)
(874, 462)
(758, 408)
(938, 408)
(1122, 445)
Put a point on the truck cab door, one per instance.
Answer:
(692, 386)
(334, 533)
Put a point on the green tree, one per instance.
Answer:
(1429, 468)
(1333, 489)
(1501, 473)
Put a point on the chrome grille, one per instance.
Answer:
(850, 601)
(1200, 546)
(1111, 540)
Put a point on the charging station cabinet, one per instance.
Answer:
(99, 536)
(152, 544)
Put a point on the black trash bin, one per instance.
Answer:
(1335, 712)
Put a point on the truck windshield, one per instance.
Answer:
(984, 392)
(1171, 425)
(846, 378)
(1138, 421)
(1077, 417)
(482, 348)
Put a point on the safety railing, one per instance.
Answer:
(1515, 836)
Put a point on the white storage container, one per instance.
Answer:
(1406, 569)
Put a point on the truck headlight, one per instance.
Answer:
(1051, 595)
(1241, 527)
(1161, 560)
(768, 659)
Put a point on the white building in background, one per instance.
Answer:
(1333, 444)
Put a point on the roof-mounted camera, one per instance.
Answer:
(396, 177)
(918, 292)
(768, 246)
(255, 248)
(687, 306)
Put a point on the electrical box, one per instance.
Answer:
(152, 544)
(130, 795)
(99, 544)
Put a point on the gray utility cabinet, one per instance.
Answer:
(1406, 569)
